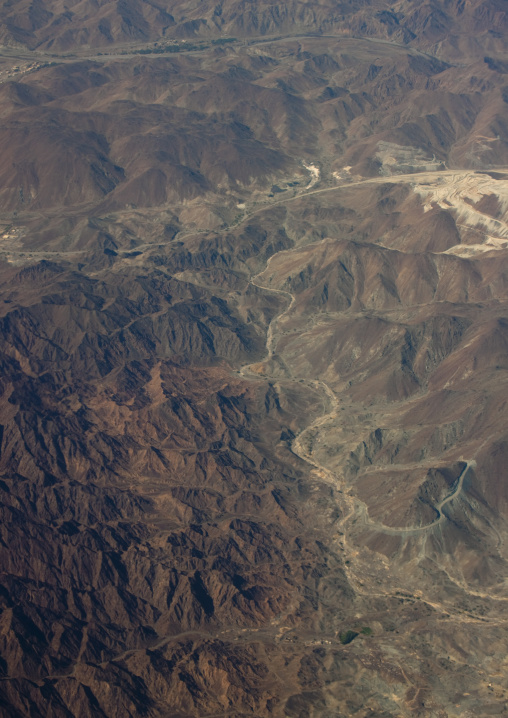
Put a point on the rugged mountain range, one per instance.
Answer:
(254, 331)
(456, 25)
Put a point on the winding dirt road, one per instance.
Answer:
(441, 516)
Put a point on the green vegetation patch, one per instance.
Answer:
(347, 636)
(223, 40)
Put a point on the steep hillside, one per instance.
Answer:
(254, 329)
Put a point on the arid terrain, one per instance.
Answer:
(254, 347)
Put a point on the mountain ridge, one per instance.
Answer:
(253, 339)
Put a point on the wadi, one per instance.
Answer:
(254, 359)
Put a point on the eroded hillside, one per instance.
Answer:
(254, 333)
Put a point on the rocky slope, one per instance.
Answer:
(253, 308)
(456, 27)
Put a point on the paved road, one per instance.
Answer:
(441, 516)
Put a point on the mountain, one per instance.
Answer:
(253, 310)
(455, 26)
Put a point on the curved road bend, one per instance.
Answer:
(439, 508)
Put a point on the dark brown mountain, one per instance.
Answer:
(253, 321)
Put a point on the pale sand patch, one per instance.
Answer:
(459, 193)
(400, 159)
(315, 174)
